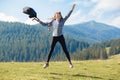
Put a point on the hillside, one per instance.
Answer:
(93, 31)
(83, 70)
(21, 42)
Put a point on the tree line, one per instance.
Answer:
(102, 50)
(21, 42)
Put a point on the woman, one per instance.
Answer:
(57, 24)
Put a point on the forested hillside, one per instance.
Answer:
(93, 31)
(21, 42)
(102, 50)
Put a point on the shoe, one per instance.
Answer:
(71, 66)
(46, 65)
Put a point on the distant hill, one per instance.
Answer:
(21, 42)
(92, 31)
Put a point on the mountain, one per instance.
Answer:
(21, 42)
(92, 31)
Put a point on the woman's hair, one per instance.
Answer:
(54, 17)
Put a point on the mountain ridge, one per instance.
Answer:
(90, 31)
(94, 31)
(21, 42)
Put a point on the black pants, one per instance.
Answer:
(61, 40)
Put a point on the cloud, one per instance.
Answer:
(84, 3)
(4, 17)
(76, 18)
(7, 18)
(103, 6)
(116, 21)
(76, 2)
(76, 14)
(94, 1)
(109, 4)
(56, 0)
(30, 22)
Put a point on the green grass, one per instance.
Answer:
(83, 70)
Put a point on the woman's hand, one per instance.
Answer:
(37, 19)
(73, 6)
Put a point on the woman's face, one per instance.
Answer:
(58, 15)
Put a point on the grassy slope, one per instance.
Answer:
(83, 70)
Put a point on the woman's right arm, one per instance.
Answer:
(42, 23)
(66, 17)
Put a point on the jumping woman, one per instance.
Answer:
(57, 24)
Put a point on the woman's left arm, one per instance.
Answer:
(66, 17)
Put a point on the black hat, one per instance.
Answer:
(31, 12)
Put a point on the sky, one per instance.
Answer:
(105, 11)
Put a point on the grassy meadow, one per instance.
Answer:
(83, 70)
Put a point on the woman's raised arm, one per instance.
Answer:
(68, 15)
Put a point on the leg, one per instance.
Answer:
(51, 48)
(50, 53)
(62, 42)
